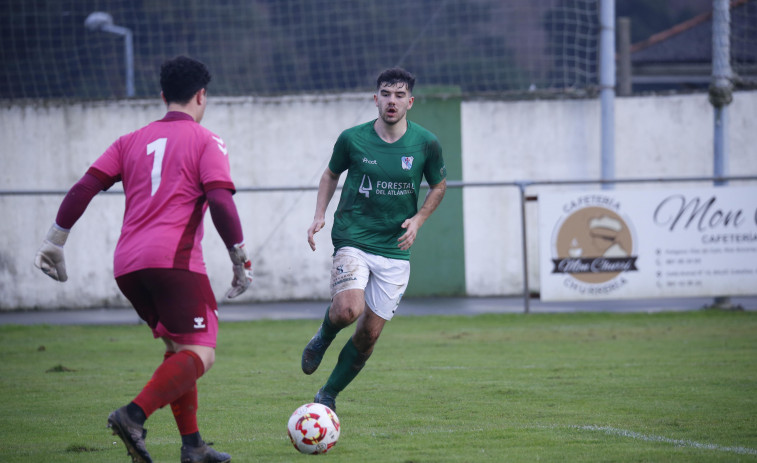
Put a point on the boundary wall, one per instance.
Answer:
(278, 149)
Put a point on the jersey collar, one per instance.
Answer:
(176, 116)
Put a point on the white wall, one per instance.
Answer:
(287, 141)
(272, 142)
(655, 136)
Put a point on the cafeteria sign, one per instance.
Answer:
(648, 243)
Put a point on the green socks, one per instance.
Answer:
(328, 331)
(347, 367)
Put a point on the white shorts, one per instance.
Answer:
(382, 279)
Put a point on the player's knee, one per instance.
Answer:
(364, 340)
(206, 354)
(208, 359)
(343, 315)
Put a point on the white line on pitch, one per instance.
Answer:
(677, 442)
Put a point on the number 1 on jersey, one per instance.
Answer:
(159, 148)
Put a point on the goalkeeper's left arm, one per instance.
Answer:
(50, 258)
(225, 217)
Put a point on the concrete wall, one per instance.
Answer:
(655, 136)
(287, 141)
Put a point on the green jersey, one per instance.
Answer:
(382, 186)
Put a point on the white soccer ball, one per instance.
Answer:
(313, 428)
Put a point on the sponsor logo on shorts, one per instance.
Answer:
(343, 280)
(199, 323)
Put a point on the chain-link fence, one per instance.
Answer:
(518, 48)
(270, 47)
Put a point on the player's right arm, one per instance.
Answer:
(50, 258)
(326, 188)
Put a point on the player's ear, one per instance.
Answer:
(410, 102)
(201, 96)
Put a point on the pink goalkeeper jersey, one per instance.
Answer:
(166, 168)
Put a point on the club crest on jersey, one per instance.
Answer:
(407, 162)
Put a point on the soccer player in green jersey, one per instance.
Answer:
(375, 224)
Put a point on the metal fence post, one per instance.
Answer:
(526, 294)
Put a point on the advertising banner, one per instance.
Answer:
(678, 242)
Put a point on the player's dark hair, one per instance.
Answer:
(181, 78)
(394, 76)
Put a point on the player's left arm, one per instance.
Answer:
(414, 223)
(225, 217)
(215, 175)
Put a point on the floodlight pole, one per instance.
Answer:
(99, 21)
(128, 54)
(721, 87)
(607, 89)
(721, 95)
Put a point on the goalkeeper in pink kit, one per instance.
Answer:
(172, 171)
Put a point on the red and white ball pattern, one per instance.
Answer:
(313, 428)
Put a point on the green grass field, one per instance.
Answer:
(492, 388)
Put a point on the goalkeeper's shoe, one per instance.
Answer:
(203, 454)
(313, 353)
(131, 433)
(324, 398)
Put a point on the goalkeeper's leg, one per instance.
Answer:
(179, 306)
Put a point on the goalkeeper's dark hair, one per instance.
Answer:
(394, 76)
(181, 78)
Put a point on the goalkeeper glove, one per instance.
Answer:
(50, 258)
(242, 268)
